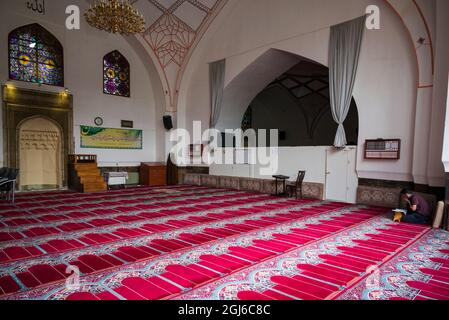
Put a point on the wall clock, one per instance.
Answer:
(98, 121)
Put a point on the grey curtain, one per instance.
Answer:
(344, 51)
(216, 81)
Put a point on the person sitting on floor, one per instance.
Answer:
(418, 210)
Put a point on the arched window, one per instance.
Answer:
(35, 55)
(116, 72)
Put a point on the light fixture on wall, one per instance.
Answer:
(10, 87)
(115, 16)
(65, 93)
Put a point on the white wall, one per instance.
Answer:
(290, 161)
(83, 53)
(385, 89)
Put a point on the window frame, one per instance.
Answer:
(128, 95)
(40, 33)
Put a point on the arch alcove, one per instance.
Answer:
(297, 103)
(21, 105)
(40, 162)
(284, 91)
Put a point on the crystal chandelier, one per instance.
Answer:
(115, 16)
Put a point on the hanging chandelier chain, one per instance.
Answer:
(115, 16)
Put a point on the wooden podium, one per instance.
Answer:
(153, 174)
(84, 174)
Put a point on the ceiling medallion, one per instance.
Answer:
(115, 16)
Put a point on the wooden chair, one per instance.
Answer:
(8, 184)
(296, 187)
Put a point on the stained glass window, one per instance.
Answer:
(116, 73)
(35, 55)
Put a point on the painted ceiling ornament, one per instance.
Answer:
(173, 35)
(170, 39)
(115, 16)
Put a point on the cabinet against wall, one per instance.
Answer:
(153, 174)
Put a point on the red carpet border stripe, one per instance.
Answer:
(9, 273)
(210, 237)
(202, 251)
(419, 273)
(188, 242)
(151, 231)
(257, 282)
(120, 215)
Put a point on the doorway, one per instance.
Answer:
(40, 163)
(341, 175)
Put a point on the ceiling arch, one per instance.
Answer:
(239, 93)
(174, 28)
(412, 16)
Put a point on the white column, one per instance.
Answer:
(422, 134)
(446, 136)
(442, 72)
(435, 168)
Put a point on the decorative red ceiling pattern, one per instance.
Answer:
(172, 35)
(170, 38)
(174, 29)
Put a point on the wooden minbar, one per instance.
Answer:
(84, 174)
(153, 174)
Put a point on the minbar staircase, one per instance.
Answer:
(84, 175)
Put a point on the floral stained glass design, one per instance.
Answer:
(35, 55)
(116, 74)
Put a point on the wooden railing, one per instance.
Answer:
(82, 158)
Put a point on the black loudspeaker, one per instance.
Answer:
(168, 123)
(282, 135)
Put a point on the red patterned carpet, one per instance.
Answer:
(189, 242)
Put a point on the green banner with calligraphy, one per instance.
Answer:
(108, 138)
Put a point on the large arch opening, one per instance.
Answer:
(290, 93)
(284, 91)
(297, 103)
(243, 88)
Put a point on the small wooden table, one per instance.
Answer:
(284, 181)
(153, 174)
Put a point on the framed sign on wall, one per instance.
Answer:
(383, 149)
(127, 124)
(110, 138)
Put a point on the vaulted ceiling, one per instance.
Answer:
(173, 26)
(173, 29)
